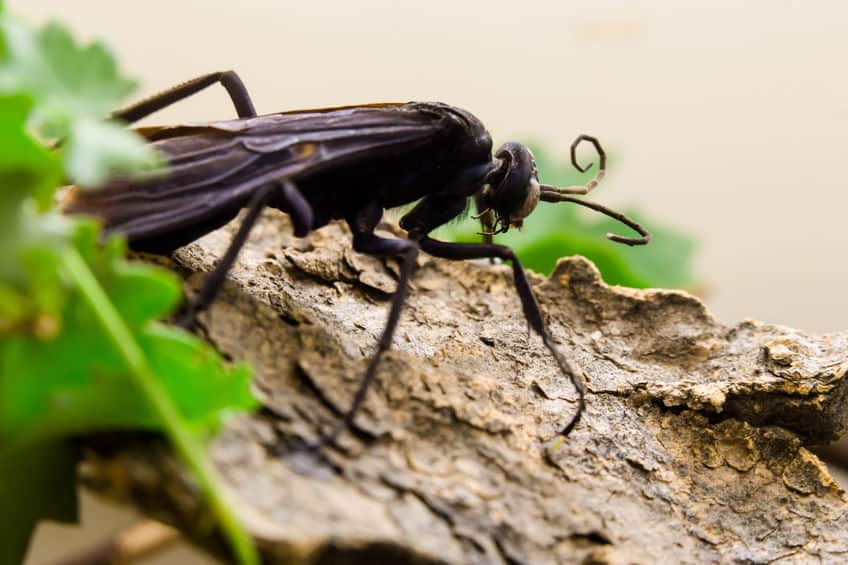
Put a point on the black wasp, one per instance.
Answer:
(347, 163)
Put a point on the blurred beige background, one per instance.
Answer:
(729, 119)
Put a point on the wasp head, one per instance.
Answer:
(512, 190)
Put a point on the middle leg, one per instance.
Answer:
(379, 247)
(296, 206)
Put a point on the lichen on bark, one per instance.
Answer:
(693, 447)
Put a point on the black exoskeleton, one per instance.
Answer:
(347, 163)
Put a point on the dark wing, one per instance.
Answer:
(214, 167)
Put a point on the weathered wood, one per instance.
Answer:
(692, 449)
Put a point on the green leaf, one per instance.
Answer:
(80, 349)
(26, 168)
(75, 382)
(68, 81)
(140, 291)
(74, 87)
(13, 308)
(161, 403)
(98, 150)
(62, 388)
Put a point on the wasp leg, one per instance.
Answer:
(379, 247)
(298, 208)
(228, 79)
(459, 251)
(301, 214)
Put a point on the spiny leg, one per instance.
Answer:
(379, 247)
(228, 79)
(301, 214)
(449, 250)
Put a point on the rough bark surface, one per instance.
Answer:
(692, 448)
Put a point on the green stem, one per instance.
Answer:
(185, 444)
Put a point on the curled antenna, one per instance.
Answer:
(552, 194)
(561, 194)
(602, 168)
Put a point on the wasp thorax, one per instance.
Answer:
(514, 196)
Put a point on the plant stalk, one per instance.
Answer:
(186, 445)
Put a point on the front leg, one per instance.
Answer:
(459, 251)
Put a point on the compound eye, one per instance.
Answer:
(531, 199)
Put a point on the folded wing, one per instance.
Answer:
(213, 168)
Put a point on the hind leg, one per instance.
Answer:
(228, 79)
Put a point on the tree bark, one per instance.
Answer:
(693, 447)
